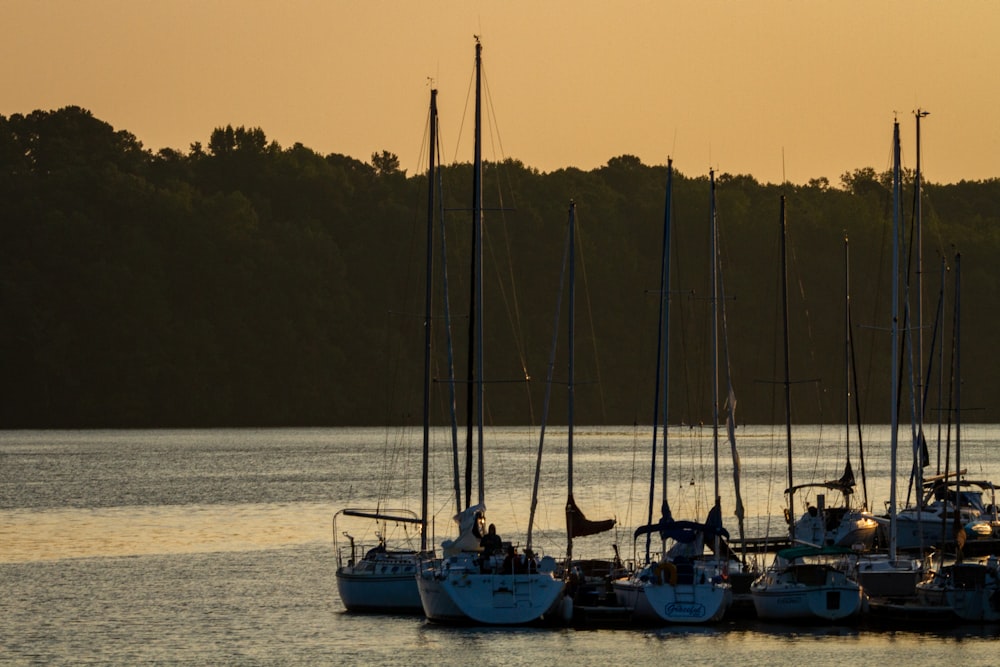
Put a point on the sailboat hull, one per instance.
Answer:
(829, 603)
(883, 578)
(452, 593)
(681, 603)
(851, 528)
(971, 591)
(386, 586)
(668, 593)
(927, 527)
(806, 593)
(435, 601)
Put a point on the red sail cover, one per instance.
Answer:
(577, 525)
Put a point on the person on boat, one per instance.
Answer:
(490, 542)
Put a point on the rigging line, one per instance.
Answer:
(424, 141)
(810, 335)
(590, 316)
(857, 405)
(777, 445)
(470, 91)
(513, 311)
(396, 335)
(639, 444)
(511, 302)
(394, 453)
(678, 275)
(738, 508)
(496, 140)
(511, 307)
(810, 332)
(567, 249)
(452, 400)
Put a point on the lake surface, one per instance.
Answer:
(216, 546)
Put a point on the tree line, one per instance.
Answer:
(246, 284)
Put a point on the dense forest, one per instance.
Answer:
(247, 284)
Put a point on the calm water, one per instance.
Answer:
(215, 546)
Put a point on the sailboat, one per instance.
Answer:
(383, 578)
(465, 586)
(685, 585)
(968, 588)
(810, 582)
(845, 524)
(377, 578)
(945, 500)
(590, 597)
(888, 578)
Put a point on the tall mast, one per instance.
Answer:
(477, 212)
(787, 383)
(847, 352)
(958, 384)
(427, 320)
(715, 339)
(662, 364)
(918, 214)
(474, 389)
(665, 319)
(847, 345)
(893, 435)
(570, 389)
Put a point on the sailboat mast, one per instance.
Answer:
(919, 457)
(958, 386)
(428, 319)
(894, 427)
(788, 388)
(847, 347)
(715, 337)
(570, 388)
(474, 388)
(665, 325)
(662, 365)
(477, 212)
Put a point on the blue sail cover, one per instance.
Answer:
(685, 532)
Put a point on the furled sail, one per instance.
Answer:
(845, 484)
(577, 525)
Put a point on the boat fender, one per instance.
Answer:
(665, 573)
(567, 609)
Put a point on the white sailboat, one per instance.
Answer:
(932, 523)
(464, 586)
(812, 582)
(929, 522)
(807, 583)
(846, 523)
(685, 585)
(377, 578)
(889, 579)
(969, 590)
(383, 579)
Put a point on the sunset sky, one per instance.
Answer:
(778, 89)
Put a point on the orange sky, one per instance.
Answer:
(767, 87)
